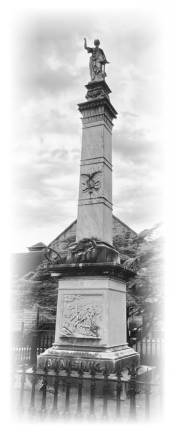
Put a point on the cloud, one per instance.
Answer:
(135, 146)
(47, 55)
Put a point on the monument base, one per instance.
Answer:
(91, 317)
(122, 355)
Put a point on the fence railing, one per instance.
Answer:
(27, 353)
(150, 350)
(94, 392)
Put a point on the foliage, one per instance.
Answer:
(39, 290)
(144, 253)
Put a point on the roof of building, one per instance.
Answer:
(74, 222)
(63, 232)
(37, 247)
(125, 225)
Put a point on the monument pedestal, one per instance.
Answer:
(91, 316)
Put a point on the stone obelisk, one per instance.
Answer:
(91, 308)
(95, 186)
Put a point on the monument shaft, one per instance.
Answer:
(95, 185)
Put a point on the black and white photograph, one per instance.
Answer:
(87, 280)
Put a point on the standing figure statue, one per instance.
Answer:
(97, 61)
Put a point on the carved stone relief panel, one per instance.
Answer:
(82, 316)
(91, 181)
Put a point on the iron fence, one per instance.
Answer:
(89, 392)
(150, 350)
(27, 353)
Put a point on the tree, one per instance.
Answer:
(37, 290)
(144, 254)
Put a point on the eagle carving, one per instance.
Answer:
(91, 182)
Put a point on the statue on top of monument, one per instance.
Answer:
(97, 61)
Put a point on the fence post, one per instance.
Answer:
(106, 373)
(118, 389)
(23, 378)
(80, 385)
(33, 389)
(56, 388)
(68, 369)
(44, 388)
(132, 383)
(147, 394)
(92, 389)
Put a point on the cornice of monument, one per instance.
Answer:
(108, 269)
(96, 103)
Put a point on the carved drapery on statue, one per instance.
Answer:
(97, 61)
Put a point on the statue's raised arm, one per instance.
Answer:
(88, 49)
(97, 61)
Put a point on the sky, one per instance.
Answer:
(50, 72)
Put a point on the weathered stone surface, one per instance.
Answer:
(122, 355)
(91, 321)
(97, 90)
(103, 299)
(95, 185)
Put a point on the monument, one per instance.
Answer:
(91, 307)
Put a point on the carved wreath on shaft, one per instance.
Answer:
(90, 184)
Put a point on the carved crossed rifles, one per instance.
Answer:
(90, 184)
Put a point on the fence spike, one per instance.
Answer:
(33, 390)
(106, 374)
(56, 387)
(23, 379)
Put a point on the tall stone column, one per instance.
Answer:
(95, 185)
